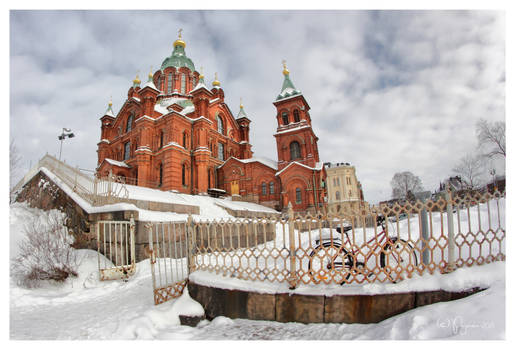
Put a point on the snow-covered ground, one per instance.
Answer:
(84, 308)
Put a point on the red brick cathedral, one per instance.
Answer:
(174, 133)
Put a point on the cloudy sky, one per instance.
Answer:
(389, 91)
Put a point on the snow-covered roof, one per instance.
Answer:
(117, 163)
(318, 167)
(293, 129)
(265, 161)
(200, 85)
(151, 85)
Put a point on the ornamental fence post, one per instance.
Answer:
(450, 228)
(190, 243)
(292, 278)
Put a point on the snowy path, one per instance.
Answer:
(100, 313)
(118, 310)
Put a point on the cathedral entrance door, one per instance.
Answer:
(235, 187)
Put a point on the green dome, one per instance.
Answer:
(178, 59)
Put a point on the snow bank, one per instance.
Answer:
(459, 280)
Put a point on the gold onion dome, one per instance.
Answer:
(136, 80)
(285, 70)
(179, 41)
(216, 82)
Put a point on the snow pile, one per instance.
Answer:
(86, 308)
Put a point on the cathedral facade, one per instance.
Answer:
(176, 134)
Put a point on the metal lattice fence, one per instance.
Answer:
(380, 244)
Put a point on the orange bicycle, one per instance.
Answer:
(330, 261)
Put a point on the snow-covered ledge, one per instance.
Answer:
(462, 279)
(368, 303)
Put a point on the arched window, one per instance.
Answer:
(208, 178)
(298, 196)
(170, 83)
(221, 151)
(183, 173)
(285, 118)
(272, 189)
(183, 83)
(220, 123)
(130, 119)
(263, 188)
(184, 137)
(337, 195)
(160, 174)
(294, 150)
(296, 117)
(127, 151)
(161, 139)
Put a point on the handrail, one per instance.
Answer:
(96, 191)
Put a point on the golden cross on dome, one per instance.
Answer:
(180, 33)
(241, 102)
(284, 63)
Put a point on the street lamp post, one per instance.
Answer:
(492, 172)
(66, 133)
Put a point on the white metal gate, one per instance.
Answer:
(168, 243)
(115, 241)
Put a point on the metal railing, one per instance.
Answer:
(169, 252)
(96, 191)
(116, 249)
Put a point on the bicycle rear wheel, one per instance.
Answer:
(330, 262)
(398, 257)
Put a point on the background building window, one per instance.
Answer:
(296, 117)
(337, 195)
(272, 189)
(298, 196)
(294, 150)
(263, 188)
(221, 151)
(285, 118)
(127, 151)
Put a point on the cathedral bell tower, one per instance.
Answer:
(299, 169)
(295, 138)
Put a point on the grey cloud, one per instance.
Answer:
(389, 90)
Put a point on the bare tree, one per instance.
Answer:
(45, 253)
(493, 136)
(470, 168)
(14, 166)
(405, 183)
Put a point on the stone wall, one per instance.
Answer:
(285, 307)
(40, 192)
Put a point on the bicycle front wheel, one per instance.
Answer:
(330, 262)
